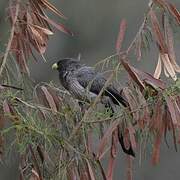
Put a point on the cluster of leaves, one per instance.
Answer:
(30, 29)
(52, 125)
(58, 139)
(156, 26)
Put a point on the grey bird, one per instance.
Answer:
(84, 83)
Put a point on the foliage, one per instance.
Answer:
(57, 139)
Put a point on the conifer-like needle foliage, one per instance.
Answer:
(58, 139)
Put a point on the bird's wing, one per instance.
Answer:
(90, 79)
(79, 92)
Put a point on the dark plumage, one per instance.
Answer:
(77, 78)
(84, 83)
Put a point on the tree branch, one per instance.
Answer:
(10, 38)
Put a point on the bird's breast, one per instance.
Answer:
(64, 78)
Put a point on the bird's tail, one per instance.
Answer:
(116, 96)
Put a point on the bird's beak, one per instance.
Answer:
(54, 66)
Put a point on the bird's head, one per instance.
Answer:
(66, 64)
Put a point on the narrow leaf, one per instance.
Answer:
(22, 63)
(157, 32)
(38, 39)
(145, 112)
(49, 99)
(114, 143)
(2, 142)
(174, 135)
(133, 74)
(175, 13)
(84, 175)
(156, 148)
(2, 121)
(111, 166)
(59, 26)
(149, 79)
(6, 107)
(113, 154)
(90, 171)
(105, 138)
(171, 108)
(162, 3)
(71, 172)
(52, 8)
(132, 136)
(121, 35)
(159, 126)
(156, 120)
(132, 101)
(41, 153)
(158, 69)
(138, 46)
(36, 33)
(170, 43)
(168, 66)
(34, 175)
(44, 30)
(165, 72)
(129, 170)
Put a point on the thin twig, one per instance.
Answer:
(10, 86)
(105, 59)
(117, 117)
(140, 29)
(137, 35)
(36, 106)
(8, 48)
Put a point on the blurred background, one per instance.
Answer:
(95, 24)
